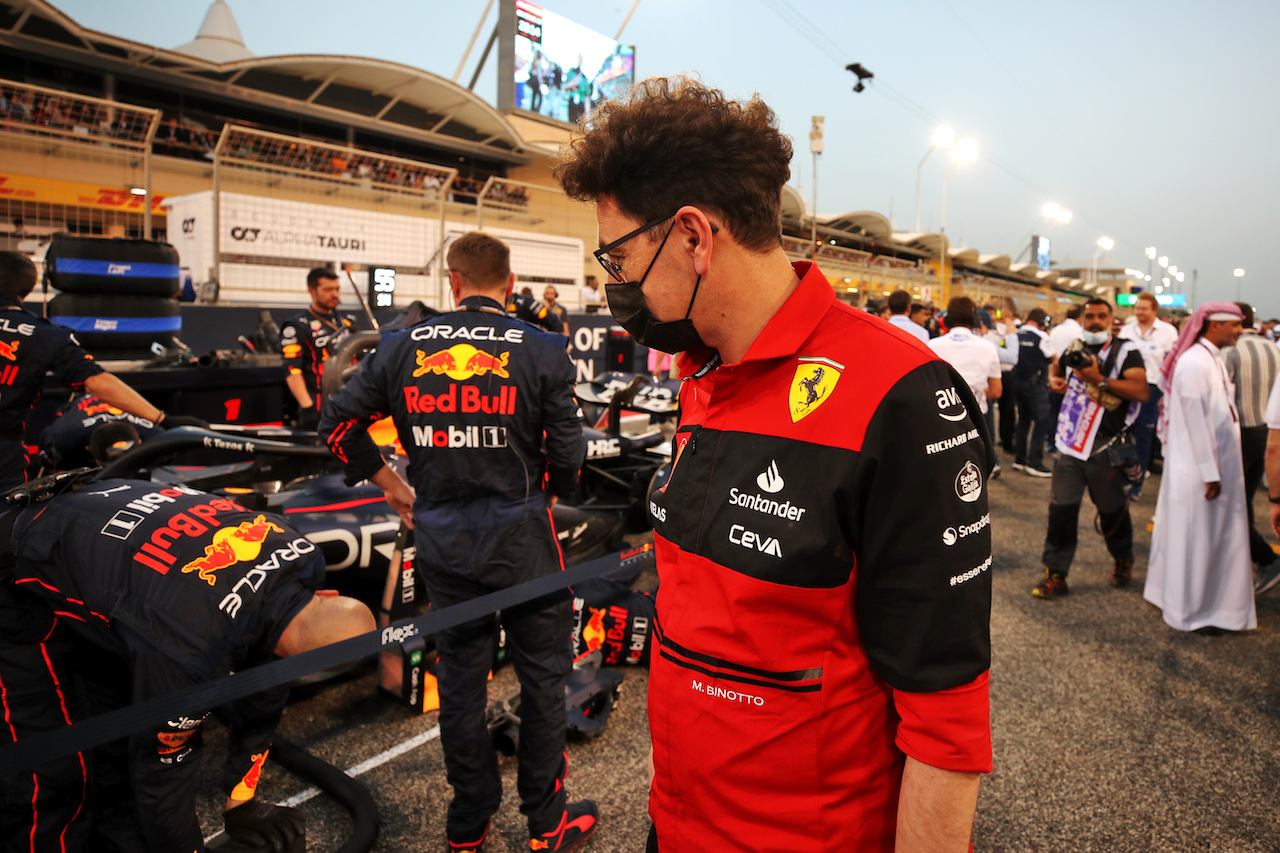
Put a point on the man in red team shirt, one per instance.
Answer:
(819, 680)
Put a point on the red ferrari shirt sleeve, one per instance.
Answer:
(949, 729)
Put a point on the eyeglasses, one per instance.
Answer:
(612, 267)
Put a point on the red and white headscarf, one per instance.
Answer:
(1191, 331)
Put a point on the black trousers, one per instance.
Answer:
(1008, 411)
(1105, 484)
(1253, 442)
(49, 678)
(1033, 410)
(538, 637)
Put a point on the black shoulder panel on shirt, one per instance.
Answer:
(922, 534)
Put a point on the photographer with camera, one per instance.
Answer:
(1104, 383)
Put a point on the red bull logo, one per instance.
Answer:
(471, 400)
(232, 545)
(462, 361)
(10, 351)
(593, 634)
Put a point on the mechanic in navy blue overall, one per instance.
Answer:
(1031, 390)
(181, 587)
(31, 347)
(309, 338)
(523, 306)
(474, 395)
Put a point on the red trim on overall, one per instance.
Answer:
(70, 614)
(35, 811)
(559, 553)
(66, 717)
(330, 507)
(335, 440)
(54, 589)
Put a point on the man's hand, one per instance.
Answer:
(553, 501)
(1275, 519)
(1212, 490)
(309, 418)
(1091, 374)
(1057, 384)
(255, 824)
(399, 493)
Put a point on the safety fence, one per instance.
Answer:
(73, 163)
(859, 276)
(104, 728)
(281, 205)
(548, 233)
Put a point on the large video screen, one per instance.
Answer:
(563, 69)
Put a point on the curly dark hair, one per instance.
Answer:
(673, 142)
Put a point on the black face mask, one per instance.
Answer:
(627, 305)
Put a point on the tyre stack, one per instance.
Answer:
(118, 296)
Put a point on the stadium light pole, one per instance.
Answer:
(466, 54)
(943, 137)
(1239, 274)
(964, 153)
(1056, 214)
(626, 20)
(815, 145)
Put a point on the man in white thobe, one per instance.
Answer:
(1200, 573)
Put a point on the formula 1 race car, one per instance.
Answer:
(288, 471)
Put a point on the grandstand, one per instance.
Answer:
(103, 136)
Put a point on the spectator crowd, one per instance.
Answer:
(1095, 403)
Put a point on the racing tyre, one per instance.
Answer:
(116, 323)
(94, 265)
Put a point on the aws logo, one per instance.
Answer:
(462, 361)
(232, 545)
(950, 406)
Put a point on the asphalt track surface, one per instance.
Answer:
(1112, 732)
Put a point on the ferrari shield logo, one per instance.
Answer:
(813, 383)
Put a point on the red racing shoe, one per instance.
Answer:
(576, 825)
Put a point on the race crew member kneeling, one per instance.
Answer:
(819, 676)
(127, 590)
(474, 394)
(308, 339)
(31, 347)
